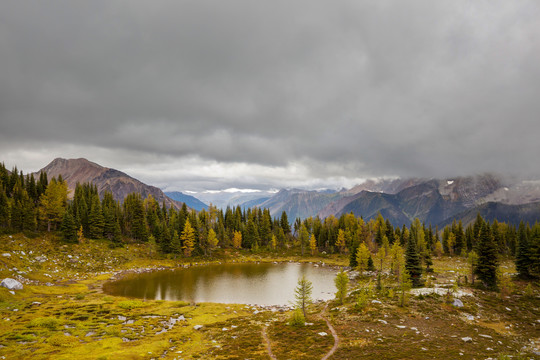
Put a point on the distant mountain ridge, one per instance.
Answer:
(190, 201)
(106, 179)
(434, 201)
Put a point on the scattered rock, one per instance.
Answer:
(485, 336)
(375, 302)
(322, 333)
(6, 255)
(401, 326)
(467, 339)
(197, 327)
(11, 284)
(41, 258)
(383, 321)
(457, 303)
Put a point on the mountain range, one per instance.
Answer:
(118, 183)
(433, 201)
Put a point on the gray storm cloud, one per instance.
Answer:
(276, 93)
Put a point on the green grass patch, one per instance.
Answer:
(131, 304)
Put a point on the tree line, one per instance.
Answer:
(29, 204)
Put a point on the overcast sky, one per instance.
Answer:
(194, 95)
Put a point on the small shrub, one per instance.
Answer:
(79, 297)
(62, 341)
(297, 318)
(362, 301)
(528, 292)
(113, 330)
(44, 322)
(506, 286)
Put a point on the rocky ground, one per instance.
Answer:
(61, 313)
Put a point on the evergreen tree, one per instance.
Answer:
(117, 234)
(166, 235)
(486, 268)
(176, 244)
(534, 251)
(134, 217)
(69, 227)
(96, 221)
(284, 222)
(251, 235)
(352, 256)
(370, 264)
(523, 260)
(4, 207)
(413, 263)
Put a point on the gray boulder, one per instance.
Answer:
(458, 303)
(11, 284)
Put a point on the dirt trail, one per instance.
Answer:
(267, 341)
(334, 334)
(325, 357)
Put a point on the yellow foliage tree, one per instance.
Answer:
(273, 242)
(362, 257)
(212, 240)
(80, 235)
(340, 242)
(53, 203)
(397, 259)
(237, 240)
(188, 239)
(313, 244)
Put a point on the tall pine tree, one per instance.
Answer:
(413, 263)
(486, 268)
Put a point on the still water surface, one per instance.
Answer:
(263, 284)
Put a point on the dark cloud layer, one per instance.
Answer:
(209, 94)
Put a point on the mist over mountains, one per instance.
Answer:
(434, 201)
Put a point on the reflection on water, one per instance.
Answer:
(264, 284)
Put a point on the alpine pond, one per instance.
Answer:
(242, 283)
